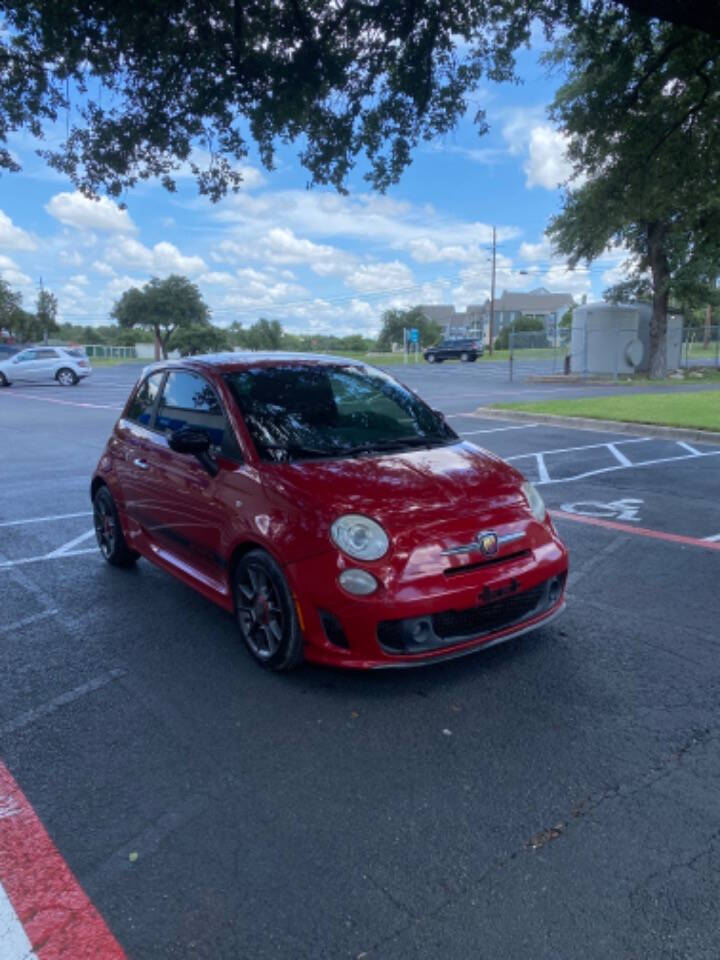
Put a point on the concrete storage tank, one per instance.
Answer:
(615, 339)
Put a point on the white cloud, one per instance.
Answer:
(252, 177)
(118, 285)
(217, 278)
(280, 245)
(80, 280)
(103, 268)
(547, 164)
(543, 148)
(70, 258)
(163, 258)
(10, 272)
(12, 237)
(426, 250)
(77, 210)
(374, 220)
(378, 277)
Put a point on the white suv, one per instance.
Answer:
(66, 365)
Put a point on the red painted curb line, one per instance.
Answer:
(638, 531)
(59, 919)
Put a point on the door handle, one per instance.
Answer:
(143, 464)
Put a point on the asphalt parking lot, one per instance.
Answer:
(554, 797)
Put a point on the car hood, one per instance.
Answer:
(421, 485)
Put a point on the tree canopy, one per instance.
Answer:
(393, 322)
(144, 87)
(163, 306)
(641, 107)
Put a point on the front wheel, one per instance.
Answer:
(430, 358)
(108, 531)
(266, 612)
(66, 377)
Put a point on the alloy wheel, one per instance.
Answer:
(105, 529)
(259, 611)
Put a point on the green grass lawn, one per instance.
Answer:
(700, 410)
(114, 361)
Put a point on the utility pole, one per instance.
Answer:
(492, 296)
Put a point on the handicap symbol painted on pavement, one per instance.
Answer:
(627, 509)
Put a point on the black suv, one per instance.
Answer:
(455, 349)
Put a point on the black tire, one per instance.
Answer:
(465, 357)
(108, 531)
(4, 382)
(431, 358)
(66, 377)
(266, 613)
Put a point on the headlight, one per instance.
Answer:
(359, 537)
(535, 501)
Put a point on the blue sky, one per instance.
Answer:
(313, 259)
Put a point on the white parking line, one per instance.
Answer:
(57, 516)
(624, 463)
(66, 550)
(642, 463)
(620, 457)
(27, 621)
(471, 433)
(681, 443)
(588, 446)
(65, 403)
(15, 943)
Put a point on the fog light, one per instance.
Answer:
(555, 590)
(359, 582)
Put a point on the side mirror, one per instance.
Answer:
(196, 443)
(189, 441)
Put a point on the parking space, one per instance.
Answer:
(554, 797)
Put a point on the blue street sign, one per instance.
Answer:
(414, 334)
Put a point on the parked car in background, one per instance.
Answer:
(65, 365)
(327, 507)
(465, 349)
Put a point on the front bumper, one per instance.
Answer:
(436, 619)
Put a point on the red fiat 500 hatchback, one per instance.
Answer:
(337, 516)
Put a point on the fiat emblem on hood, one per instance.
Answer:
(487, 540)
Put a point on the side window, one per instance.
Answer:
(141, 408)
(188, 400)
(25, 355)
(46, 354)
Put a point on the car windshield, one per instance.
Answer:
(297, 412)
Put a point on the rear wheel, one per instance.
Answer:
(4, 382)
(108, 531)
(66, 377)
(266, 612)
(431, 358)
(464, 357)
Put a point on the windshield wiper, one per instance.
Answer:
(412, 441)
(299, 448)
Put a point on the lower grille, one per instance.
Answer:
(453, 626)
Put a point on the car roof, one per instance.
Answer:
(241, 360)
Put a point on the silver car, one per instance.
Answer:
(66, 365)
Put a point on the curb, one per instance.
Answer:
(604, 426)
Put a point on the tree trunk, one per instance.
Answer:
(708, 321)
(661, 293)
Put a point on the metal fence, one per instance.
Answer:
(701, 347)
(606, 352)
(102, 351)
